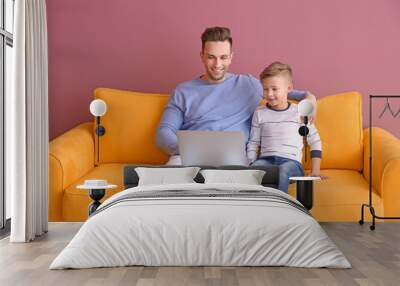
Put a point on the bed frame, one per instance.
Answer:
(270, 179)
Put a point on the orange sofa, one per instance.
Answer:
(131, 121)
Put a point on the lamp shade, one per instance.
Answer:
(98, 107)
(305, 108)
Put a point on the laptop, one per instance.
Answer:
(212, 148)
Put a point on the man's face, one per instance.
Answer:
(216, 57)
(276, 89)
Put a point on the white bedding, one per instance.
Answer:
(200, 231)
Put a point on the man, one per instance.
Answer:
(217, 100)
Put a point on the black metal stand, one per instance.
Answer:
(369, 205)
(96, 195)
(304, 190)
(100, 131)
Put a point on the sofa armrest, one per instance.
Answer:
(71, 155)
(385, 168)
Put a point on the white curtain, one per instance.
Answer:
(27, 124)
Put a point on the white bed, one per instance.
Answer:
(266, 230)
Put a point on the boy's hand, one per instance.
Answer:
(318, 174)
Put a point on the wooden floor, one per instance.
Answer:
(374, 255)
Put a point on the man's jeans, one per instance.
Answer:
(287, 168)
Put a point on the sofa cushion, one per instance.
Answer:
(339, 123)
(343, 187)
(339, 198)
(131, 122)
(76, 201)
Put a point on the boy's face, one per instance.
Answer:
(216, 57)
(276, 89)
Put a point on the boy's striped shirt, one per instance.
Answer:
(275, 132)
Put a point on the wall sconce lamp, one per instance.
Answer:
(306, 109)
(98, 108)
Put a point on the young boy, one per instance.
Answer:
(275, 128)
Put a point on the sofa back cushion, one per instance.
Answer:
(339, 123)
(132, 119)
(131, 122)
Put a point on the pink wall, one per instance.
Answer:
(150, 46)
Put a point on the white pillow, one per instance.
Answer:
(248, 177)
(163, 176)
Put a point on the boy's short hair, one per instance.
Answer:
(277, 68)
(216, 34)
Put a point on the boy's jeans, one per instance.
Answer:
(287, 168)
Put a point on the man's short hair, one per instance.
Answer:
(277, 68)
(216, 34)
